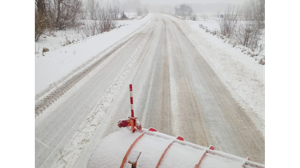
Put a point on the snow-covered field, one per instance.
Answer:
(50, 68)
(56, 39)
(242, 75)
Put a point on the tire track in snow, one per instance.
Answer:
(192, 124)
(246, 138)
(72, 116)
(51, 94)
(44, 103)
(86, 130)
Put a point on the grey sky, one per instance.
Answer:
(168, 6)
(199, 6)
(172, 2)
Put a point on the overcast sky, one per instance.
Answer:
(199, 6)
(168, 6)
(160, 2)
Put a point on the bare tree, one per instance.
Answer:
(138, 7)
(40, 6)
(55, 14)
(41, 25)
(145, 11)
(104, 21)
(58, 22)
(254, 10)
(41, 21)
(259, 12)
(248, 32)
(139, 11)
(92, 8)
(63, 13)
(229, 22)
(183, 10)
(116, 9)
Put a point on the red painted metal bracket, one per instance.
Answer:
(128, 151)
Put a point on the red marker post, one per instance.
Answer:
(132, 118)
(131, 100)
(131, 121)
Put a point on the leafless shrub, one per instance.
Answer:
(248, 34)
(63, 14)
(246, 31)
(260, 48)
(90, 29)
(115, 10)
(106, 20)
(229, 22)
(92, 8)
(103, 23)
(254, 10)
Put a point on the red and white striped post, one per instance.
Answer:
(132, 118)
(131, 100)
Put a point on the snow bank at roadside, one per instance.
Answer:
(80, 140)
(240, 73)
(58, 63)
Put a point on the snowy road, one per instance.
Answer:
(174, 90)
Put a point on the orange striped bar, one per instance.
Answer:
(202, 157)
(162, 156)
(128, 151)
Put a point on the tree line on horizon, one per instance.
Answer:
(53, 15)
(243, 24)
